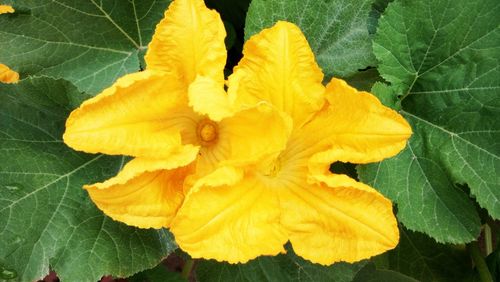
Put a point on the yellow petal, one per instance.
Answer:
(247, 137)
(4, 9)
(208, 97)
(130, 118)
(338, 223)
(147, 192)
(278, 66)
(235, 222)
(355, 127)
(189, 41)
(7, 75)
(255, 132)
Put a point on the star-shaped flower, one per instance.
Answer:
(236, 175)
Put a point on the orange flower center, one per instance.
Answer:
(207, 132)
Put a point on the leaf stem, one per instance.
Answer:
(188, 267)
(488, 241)
(479, 262)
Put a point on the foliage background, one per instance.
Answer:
(437, 62)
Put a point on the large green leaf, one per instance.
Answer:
(46, 218)
(443, 58)
(337, 30)
(90, 43)
(287, 267)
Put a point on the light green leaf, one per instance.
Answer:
(337, 30)
(287, 267)
(443, 58)
(386, 95)
(46, 218)
(90, 43)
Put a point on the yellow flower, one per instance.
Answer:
(148, 115)
(7, 75)
(4, 9)
(236, 175)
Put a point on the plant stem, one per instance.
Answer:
(488, 241)
(188, 267)
(477, 257)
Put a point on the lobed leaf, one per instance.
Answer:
(46, 218)
(337, 30)
(284, 267)
(443, 58)
(90, 43)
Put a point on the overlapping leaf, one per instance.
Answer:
(287, 267)
(46, 218)
(337, 30)
(90, 43)
(443, 58)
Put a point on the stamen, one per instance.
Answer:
(207, 132)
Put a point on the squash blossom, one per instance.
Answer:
(238, 174)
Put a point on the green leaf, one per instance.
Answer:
(364, 80)
(287, 267)
(378, 9)
(443, 58)
(337, 30)
(46, 218)
(371, 274)
(157, 274)
(493, 261)
(90, 43)
(386, 95)
(422, 258)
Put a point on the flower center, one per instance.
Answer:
(272, 168)
(207, 132)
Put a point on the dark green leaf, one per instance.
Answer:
(493, 261)
(90, 43)
(157, 274)
(337, 30)
(422, 258)
(443, 58)
(287, 267)
(377, 9)
(371, 274)
(364, 80)
(46, 218)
